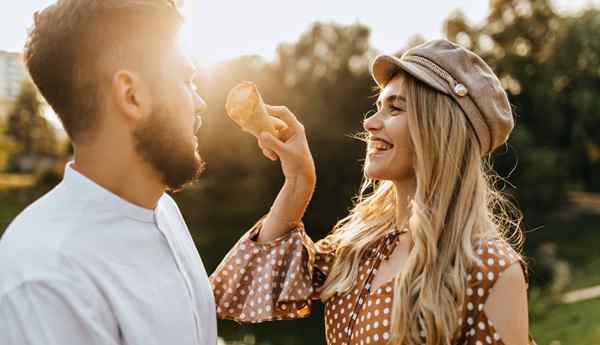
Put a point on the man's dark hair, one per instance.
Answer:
(74, 47)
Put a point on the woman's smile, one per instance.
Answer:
(377, 146)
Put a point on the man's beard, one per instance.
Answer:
(160, 143)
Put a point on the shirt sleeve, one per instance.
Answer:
(276, 280)
(52, 313)
(494, 257)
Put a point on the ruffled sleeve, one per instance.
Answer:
(276, 280)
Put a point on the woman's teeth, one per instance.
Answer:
(378, 146)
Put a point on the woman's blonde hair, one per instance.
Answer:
(456, 203)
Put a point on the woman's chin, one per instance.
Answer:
(373, 173)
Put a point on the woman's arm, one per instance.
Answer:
(275, 270)
(506, 306)
(298, 168)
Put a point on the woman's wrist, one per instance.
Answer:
(292, 202)
(300, 185)
(288, 209)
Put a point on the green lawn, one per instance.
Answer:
(569, 324)
(577, 242)
(11, 181)
(14, 199)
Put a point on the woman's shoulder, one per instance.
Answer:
(495, 259)
(492, 259)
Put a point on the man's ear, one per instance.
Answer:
(131, 96)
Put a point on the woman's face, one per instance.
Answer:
(389, 150)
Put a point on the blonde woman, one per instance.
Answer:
(426, 254)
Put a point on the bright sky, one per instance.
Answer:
(219, 30)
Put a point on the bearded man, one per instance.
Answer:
(105, 257)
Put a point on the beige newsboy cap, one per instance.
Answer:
(458, 72)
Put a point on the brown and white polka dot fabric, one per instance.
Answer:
(278, 280)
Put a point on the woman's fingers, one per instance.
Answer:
(269, 154)
(283, 130)
(269, 142)
(284, 114)
(278, 124)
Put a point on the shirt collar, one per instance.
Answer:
(86, 189)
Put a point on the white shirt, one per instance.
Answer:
(83, 266)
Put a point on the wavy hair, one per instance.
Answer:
(456, 203)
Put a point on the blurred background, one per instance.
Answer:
(313, 57)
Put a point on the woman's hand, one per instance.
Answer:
(299, 170)
(292, 150)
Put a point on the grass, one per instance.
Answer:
(577, 241)
(16, 192)
(569, 324)
(16, 181)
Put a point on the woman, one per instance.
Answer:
(416, 259)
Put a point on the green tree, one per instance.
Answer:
(326, 81)
(7, 146)
(549, 65)
(28, 128)
(577, 81)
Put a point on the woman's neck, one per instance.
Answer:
(405, 192)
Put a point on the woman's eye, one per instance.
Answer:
(395, 109)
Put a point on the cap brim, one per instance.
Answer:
(384, 67)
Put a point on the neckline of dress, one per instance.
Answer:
(373, 292)
(390, 239)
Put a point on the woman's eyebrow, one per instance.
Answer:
(397, 98)
(391, 99)
(193, 73)
(190, 71)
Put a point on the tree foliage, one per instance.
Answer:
(28, 128)
(549, 64)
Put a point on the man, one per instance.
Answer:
(105, 257)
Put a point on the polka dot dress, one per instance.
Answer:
(278, 280)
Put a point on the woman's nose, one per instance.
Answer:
(200, 105)
(372, 123)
